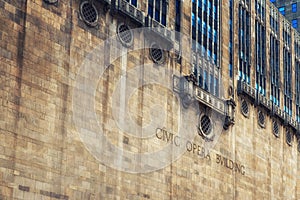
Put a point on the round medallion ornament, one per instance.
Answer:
(157, 54)
(89, 13)
(125, 35)
(205, 127)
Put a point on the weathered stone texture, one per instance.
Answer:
(42, 155)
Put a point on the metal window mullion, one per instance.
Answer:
(201, 28)
(167, 11)
(153, 9)
(160, 11)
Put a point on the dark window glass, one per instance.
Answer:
(205, 21)
(294, 7)
(282, 10)
(134, 2)
(244, 44)
(150, 8)
(295, 23)
(177, 19)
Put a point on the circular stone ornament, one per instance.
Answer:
(205, 127)
(125, 35)
(157, 54)
(89, 13)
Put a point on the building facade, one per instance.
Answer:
(157, 99)
(290, 10)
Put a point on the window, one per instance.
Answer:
(261, 119)
(260, 58)
(125, 34)
(245, 108)
(205, 44)
(288, 137)
(157, 9)
(193, 19)
(205, 127)
(287, 66)
(275, 70)
(157, 54)
(89, 13)
(275, 129)
(150, 7)
(132, 2)
(282, 10)
(205, 27)
(177, 19)
(295, 23)
(260, 35)
(274, 20)
(244, 44)
(260, 8)
(294, 7)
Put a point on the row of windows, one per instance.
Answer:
(205, 41)
(205, 28)
(260, 54)
(260, 8)
(206, 79)
(157, 9)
